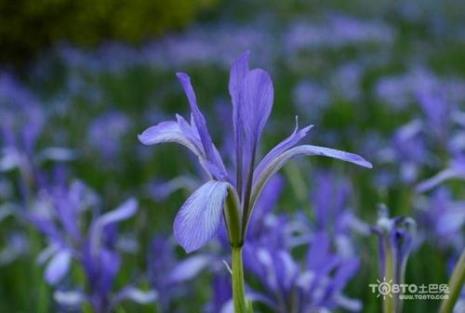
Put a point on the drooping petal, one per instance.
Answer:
(309, 150)
(284, 145)
(58, 267)
(200, 216)
(168, 131)
(190, 132)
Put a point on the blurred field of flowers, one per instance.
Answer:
(86, 211)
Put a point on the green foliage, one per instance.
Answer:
(26, 26)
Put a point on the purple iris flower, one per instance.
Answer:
(333, 215)
(252, 99)
(60, 219)
(269, 250)
(443, 217)
(291, 286)
(23, 121)
(169, 276)
(395, 238)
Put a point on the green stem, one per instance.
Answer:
(388, 300)
(240, 303)
(456, 283)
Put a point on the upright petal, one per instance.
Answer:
(198, 117)
(201, 126)
(239, 70)
(200, 216)
(258, 101)
(255, 108)
(237, 75)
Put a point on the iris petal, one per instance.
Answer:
(252, 97)
(277, 163)
(168, 131)
(284, 145)
(200, 216)
(214, 162)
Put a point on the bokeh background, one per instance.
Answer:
(385, 79)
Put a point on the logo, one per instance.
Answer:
(384, 288)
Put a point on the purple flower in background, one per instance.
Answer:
(337, 31)
(408, 151)
(333, 215)
(440, 213)
(437, 111)
(395, 241)
(106, 133)
(23, 121)
(252, 98)
(59, 216)
(443, 218)
(22, 116)
(289, 286)
(169, 276)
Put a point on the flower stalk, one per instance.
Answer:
(456, 283)
(240, 303)
(233, 219)
(389, 302)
